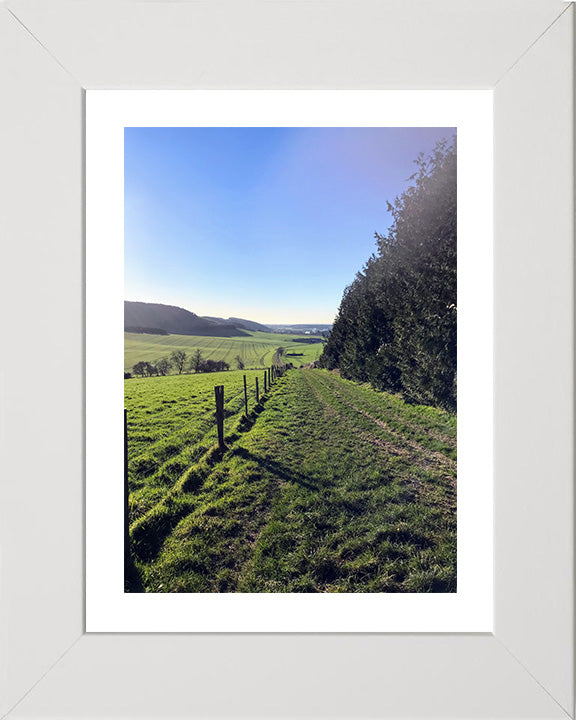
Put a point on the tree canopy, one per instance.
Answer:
(396, 325)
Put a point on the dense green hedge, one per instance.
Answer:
(396, 326)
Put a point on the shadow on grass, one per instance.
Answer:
(132, 579)
(277, 469)
(148, 534)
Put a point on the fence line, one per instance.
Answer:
(126, 499)
(269, 374)
(245, 398)
(219, 395)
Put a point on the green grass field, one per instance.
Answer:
(256, 349)
(327, 486)
(171, 425)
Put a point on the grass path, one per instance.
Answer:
(329, 487)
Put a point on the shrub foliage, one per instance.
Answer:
(396, 325)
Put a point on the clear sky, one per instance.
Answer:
(268, 224)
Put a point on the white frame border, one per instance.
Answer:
(50, 666)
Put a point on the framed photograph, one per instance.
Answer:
(100, 104)
(371, 540)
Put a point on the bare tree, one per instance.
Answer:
(163, 366)
(139, 368)
(178, 358)
(151, 369)
(196, 360)
(239, 362)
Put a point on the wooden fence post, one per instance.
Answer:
(265, 379)
(219, 393)
(245, 397)
(257, 395)
(126, 496)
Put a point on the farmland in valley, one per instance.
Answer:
(256, 348)
(326, 486)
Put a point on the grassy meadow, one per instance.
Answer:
(171, 425)
(256, 349)
(326, 485)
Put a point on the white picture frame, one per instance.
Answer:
(55, 49)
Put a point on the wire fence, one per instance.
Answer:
(269, 376)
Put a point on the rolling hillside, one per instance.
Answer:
(240, 323)
(171, 319)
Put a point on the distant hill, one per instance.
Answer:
(175, 320)
(241, 323)
(249, 324)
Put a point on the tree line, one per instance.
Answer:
(396, 325)
(180, 362)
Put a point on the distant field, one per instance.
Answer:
(256, 350)
(327, 486)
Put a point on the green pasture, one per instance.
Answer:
(326, 486)
(171, 425)
(256, 349)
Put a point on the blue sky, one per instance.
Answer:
(269, 224)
